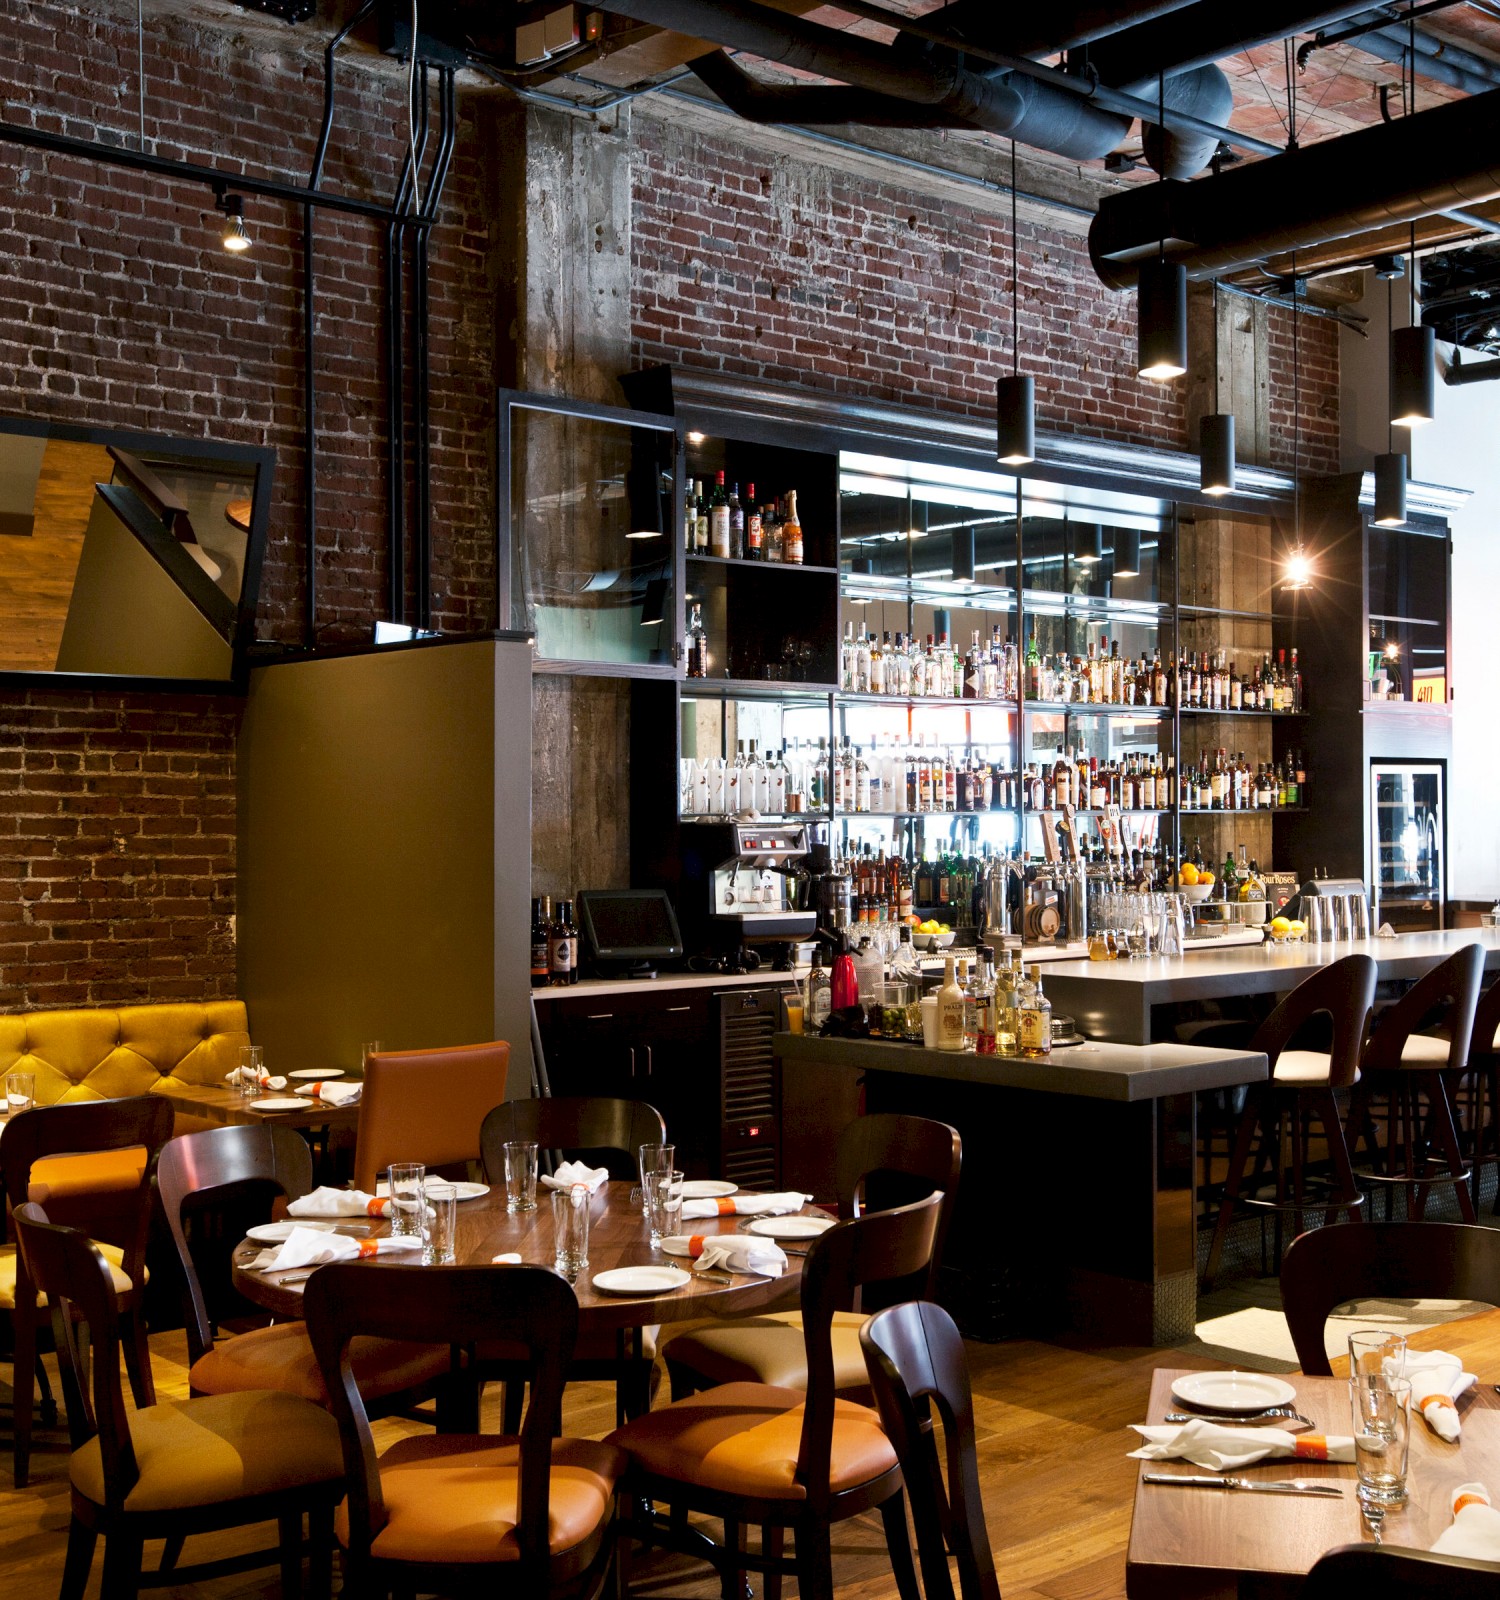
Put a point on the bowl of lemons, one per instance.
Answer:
(1286, 930)
(932, 935)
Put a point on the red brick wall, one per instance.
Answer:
(119, 307)
(867, 289)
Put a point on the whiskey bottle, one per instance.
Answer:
(1035, 1018)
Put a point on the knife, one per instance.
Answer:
(1327, 1491)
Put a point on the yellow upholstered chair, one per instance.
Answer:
(179, 1467)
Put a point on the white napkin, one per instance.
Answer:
(571, 1172)
(745, 1205)
(306, 1247)
(1437, 1380)
(739, 1252)
(1475, 1530)
(1211, 1444)
(339, 1203)
(336, 1094)
(247, 1075)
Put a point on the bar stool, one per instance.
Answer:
(1303, 1084)
(1481, 1090)
(1403, 1065)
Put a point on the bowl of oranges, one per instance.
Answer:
(1196, 883)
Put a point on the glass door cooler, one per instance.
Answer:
(1408, 842)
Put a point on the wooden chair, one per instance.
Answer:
(603, 1132)
(782, 1459)
(1483, 1119)
(177, 1467)
(527, 1515)
(91, 1162)
(1303, 1085)
(883, 1159)
(244, 1169)
(1382, 1260)
(1383, 1572)
(915, 1356)
(427, 1106)
(1405, 1066)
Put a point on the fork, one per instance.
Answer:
(1270, 1414)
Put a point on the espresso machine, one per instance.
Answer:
(759, 896)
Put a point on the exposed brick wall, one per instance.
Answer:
(775, 269)
(117, 848)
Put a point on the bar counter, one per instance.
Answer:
(1076, 1210)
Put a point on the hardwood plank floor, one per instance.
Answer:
(1052, 1447)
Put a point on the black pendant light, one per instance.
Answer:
(1413, 375)
(1127, 553)
(1161, 320)
(1216, 432)
(1297, 568)
(963, 555)
(1390, 468)
(1015, 396)
(1090, 548)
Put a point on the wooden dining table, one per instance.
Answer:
(219, 1103)
(618, 1237)
(1212, 1544)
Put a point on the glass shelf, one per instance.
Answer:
(697, 559)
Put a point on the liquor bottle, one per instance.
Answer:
(754, 527)
(791, 533)
(697, 650)
(736, 525)
(818, 995)
(562, 948)
(718, 518)
(984, 1003)
(771, 535)
(861, 782)
(541, 919)
(1005, 1010)
(1036, 1019)
(847, 656)
(879, 662)
(950, 1010)
(1033, 669)
(700, 515)
(1296, 674)
(862, 663)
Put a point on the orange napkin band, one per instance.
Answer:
(1468, 1500)
(1311, 1447)
(1437, 1400)
(377, 1207)
(369, 1247)
(726, 1207)
(695, 1245)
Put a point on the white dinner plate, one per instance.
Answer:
(283, 1102)
(789, 1227)
(276, 1232)
(464, 1191)
(640, 1280)
(316, 1074)
(1232, 1391)
(708, 1189)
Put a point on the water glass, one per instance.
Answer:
(366, 1050)
(406, 1198)
(570, 1226)
(1380, 1411)
(653, 1158)
(439, 1216)
(520, 1175)
(1374, 1353)
(252, 1065)
(663, 1205)
(20, 1092)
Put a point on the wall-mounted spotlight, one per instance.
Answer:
(1090, 549)
(232, 208)
(963, 555)
(1390, 490)
(1127, 553)
(1161, 320)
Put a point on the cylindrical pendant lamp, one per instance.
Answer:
(1015, 420)
(1390, 490)
(1127, 553)
(1216, 453)
(1090, 549)
(1413, 376)
(1161, 320)
(963, 555)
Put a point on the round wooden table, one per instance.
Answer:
(617, 1238)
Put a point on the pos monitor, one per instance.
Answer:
(628, 930)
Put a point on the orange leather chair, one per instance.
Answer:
(427, 1106)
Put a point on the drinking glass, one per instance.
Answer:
(520, 1175)
(1374, 1353)
(663, 1205)
(372, 1047)
(1380, 1410)
(406, 1198)
(439, 1218)
(252, 1064)
(20, 1091)
(1136, 941)
(653, 1158)
(570, 1224)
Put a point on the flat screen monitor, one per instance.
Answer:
(634, 928)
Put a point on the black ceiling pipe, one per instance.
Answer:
(1458, 69)
(1201, 92)
(1474, 372)
(1393, 173)
(812, 105)
(1204, 33)
(1048, 30)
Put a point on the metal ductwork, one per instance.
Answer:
(1437, 60)
(813, 106)
(1062, 26)
(1201, 92)
(1442, 159)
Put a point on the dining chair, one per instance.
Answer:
(1403, 1066)
(173, 1468)
(1302, 1086)
(881, 1159)
(915, 1356)
(605, 1132)
(1382, 1261)
(528, 1514)
(241, 1171)
(787, 1460)
(91, 1162)
(1482, 1123)
(426, 1105)
(1386, 1572)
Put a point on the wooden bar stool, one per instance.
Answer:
(1302, 1086)
(1406, 1066)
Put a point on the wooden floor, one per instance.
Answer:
(1052, 1450)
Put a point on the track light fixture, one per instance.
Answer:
(963, 555)
(1390, 490)
(232, 208)
(1090, 548)
(1015, 396)
(1161, 320)
(1127, 553)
